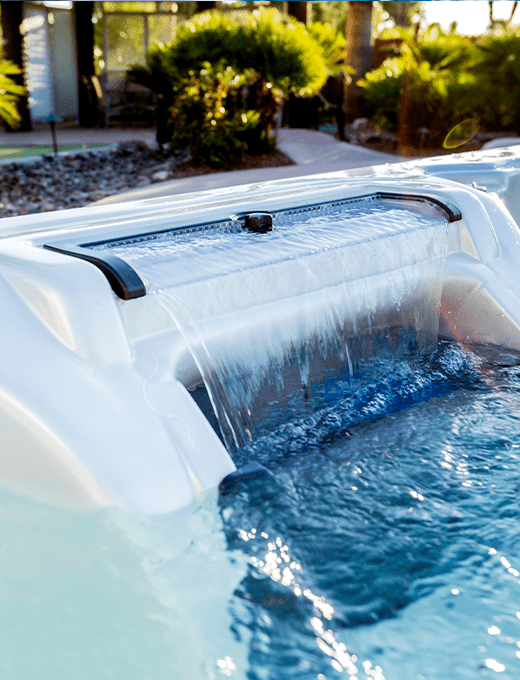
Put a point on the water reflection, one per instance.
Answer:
(376, 526)
(277, 563)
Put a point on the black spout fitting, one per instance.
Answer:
(260, 222)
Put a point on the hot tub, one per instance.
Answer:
(96, 372)
(365, 537)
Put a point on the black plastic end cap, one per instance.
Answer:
(260, 222)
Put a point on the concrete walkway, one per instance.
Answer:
(71, 134)
(312, 152)
(321, 150)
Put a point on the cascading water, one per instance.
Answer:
(345, 309)
(329, 291)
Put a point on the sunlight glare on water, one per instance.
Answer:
(405, 525)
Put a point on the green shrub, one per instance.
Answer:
(9, 92)
(439, 97)
(269, 57)
(444, 50)
(210, 116)
(381, 88)
(280, 51)
(333, 45)
(497, 72)
(450, 79)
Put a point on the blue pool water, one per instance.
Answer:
(406, 524)
(381, 541)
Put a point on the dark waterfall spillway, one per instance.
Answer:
(269, 316)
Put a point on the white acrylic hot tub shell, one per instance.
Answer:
(89, 414)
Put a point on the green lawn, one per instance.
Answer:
(38, 150)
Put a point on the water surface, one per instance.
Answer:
(386, 546)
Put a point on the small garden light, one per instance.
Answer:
(52, 120)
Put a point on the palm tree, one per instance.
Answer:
(9, 93)
(299, 10)
(504, 22)
(15, 108)
(359, 51)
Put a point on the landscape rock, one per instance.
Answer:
(160, 176)
(72, 180)
(69, 181)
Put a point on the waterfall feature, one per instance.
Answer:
(270, 316)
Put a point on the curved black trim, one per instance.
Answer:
(447, 208)
(124, 280)
(450, 210)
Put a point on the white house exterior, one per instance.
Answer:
(50, 60)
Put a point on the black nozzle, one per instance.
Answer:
(260, 222)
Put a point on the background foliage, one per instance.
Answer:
(231, 73)
(9, 92)
(443, 77)
(448, 78)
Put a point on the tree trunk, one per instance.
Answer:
(406, 114)
(359, 52)
(299, 10)
(401, 18)
(89, 113)
(205, 6)
(491, 18)
(11, 17)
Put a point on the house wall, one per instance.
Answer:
(50, 62)
(64, 61)
(37, 63)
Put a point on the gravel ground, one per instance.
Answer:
(74, 180)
